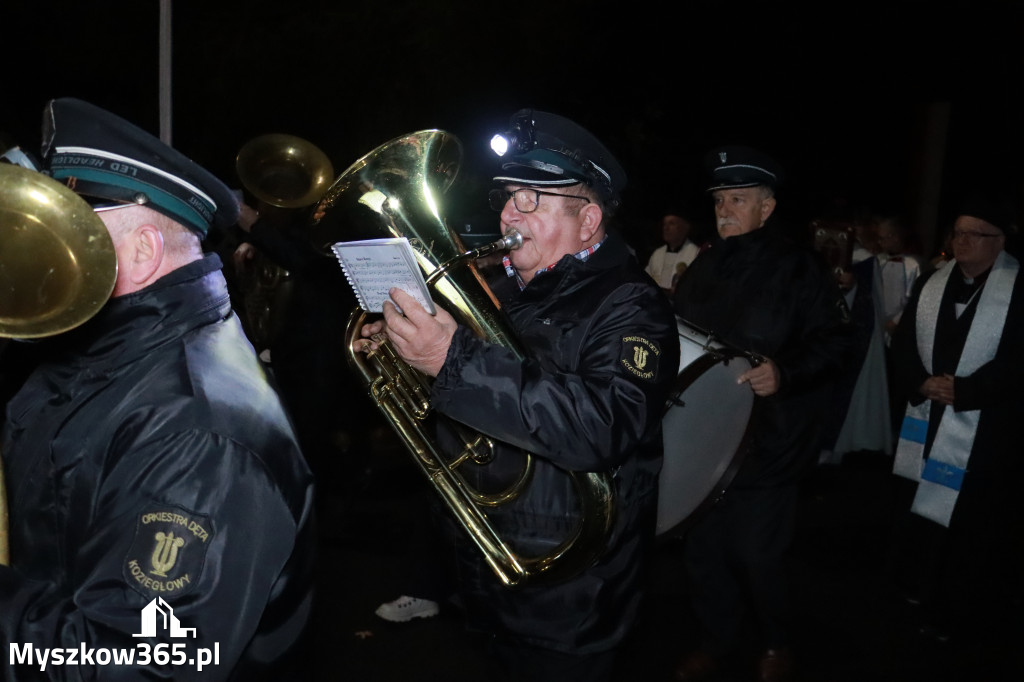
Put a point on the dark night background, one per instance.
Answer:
(897, 106)
(860, 101)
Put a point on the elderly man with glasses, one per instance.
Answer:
(957, 353)
(600, 353)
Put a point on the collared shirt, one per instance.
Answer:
(965, 289)
(511, 271)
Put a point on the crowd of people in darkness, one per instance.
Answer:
(176, 451)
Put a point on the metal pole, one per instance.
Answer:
(165, 72)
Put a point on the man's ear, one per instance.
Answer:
(767, 208)
(145, 255)
(590, 217)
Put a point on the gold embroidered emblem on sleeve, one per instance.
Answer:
(640, 357)
(168, 551)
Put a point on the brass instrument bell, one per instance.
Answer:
(57, 260)
(283, 170)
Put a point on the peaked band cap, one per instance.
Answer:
(562, 153)
(735, 167)
(100, 155)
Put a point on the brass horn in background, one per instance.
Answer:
(397, 191)
(57, 267)
(286, 172)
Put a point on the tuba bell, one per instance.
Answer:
(396, 191)
(57, 267)
(284, 172)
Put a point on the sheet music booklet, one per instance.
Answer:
(373, 266)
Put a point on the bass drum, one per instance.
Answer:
(705, 428)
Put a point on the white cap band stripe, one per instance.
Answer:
(117, 157)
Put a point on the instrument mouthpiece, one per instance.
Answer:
(512, 240)
(509, 242)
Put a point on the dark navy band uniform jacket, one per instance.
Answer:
(148, 459)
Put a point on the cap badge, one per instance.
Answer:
(721, 156)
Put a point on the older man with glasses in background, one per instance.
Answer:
(957, 351)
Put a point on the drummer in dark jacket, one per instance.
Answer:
(759, 292)
(600, 350)
(159, 504)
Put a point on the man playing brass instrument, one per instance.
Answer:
(601, 350)
(159, 504)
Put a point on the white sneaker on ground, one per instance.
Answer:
(406, 608)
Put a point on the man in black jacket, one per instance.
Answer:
(600, 350)
(956, 548)
(759, 292)
(159, 504)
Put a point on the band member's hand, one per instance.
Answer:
(242, 255)
(371, 334)
(939, 389)
(247, 217)
(320, 211)
(763, 379)
(421, 339)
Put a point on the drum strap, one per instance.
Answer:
(941, 475)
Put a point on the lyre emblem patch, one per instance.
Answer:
(721, 156)
(640, 357)
(168, 551)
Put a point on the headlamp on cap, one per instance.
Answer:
(499, 144)
(520, 137)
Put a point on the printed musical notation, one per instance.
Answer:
(374, 266)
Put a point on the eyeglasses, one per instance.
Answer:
(972, 236)
(526, 199)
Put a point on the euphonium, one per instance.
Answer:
(396, 191)
(285, 172)
(57, 266)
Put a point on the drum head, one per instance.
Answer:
(705, 435)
